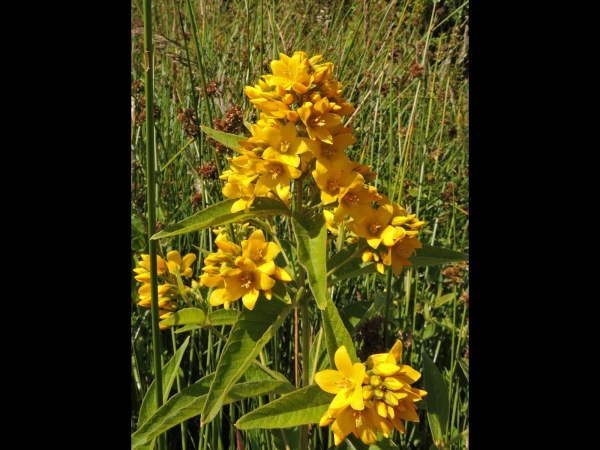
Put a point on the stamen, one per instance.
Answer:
(246, 281)
(374, 227)
(276, 171)
(285, 145)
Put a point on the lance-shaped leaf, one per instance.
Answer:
(191, 400)
(248, 336)
(306, 405)
(311, 236)
(427, 256)
(430, 255)
(169, 374)
(220, 214)
(336, 333)
(222, 317)
(438, 405)
(185, 316)
(227, 139)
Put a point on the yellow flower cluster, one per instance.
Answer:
(242, 272)
(168, 271)
(300, 130)
(371, 398)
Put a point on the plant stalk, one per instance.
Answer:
(151, 197)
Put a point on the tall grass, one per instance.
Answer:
(404, 65)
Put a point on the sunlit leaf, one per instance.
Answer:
(169, 374)
(306, 405)
(248, 336)
(227, 139)
(220, 214)
(185, 316)
(336, 333)
(311, 236)
(438, 406)
(190, 401)
(222, 317)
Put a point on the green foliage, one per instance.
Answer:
(227, 139)
(306, 405)
(412, 129)
(220, 214)
(248, 336)
(436, 400)
(311, 236)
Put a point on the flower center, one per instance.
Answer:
(334, 185)
(328, 150)
(246, 281)
(374, 227)
(285, 145)
(256, 254)
(318, 121)
(351, 199)
(344, 383)
(276, 171)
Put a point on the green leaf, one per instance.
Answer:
(220, 214)
(227, 139)
(169, 374)
(353, 314)
(255, 388)
(336, 333)
(248, 336)
(311, 236)
(257, 371)
(432, 256)
(286, 438)
(440, 300)
(438, 406)
(188, 327)
(185, 316)
(190, 402)
(382, 444)
(347, 260)
(464, 367)
(222, 317)
(306, 405)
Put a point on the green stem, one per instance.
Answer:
(305, 361)
(151, 197)
(388, 300)
(183, 425)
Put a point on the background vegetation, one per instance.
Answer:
(404, 65)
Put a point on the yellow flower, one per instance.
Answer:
(261, 252)
(356, 201)
(333, 154)
(332, 182)
(363, 424)
(143, 272)
(181, 265)
(393, 397)
(374, 226)
(292, 72)
(318, 119)
(245, 281)
(346, 382)
(275, 174)
(288, 144)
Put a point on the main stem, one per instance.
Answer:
(305, 325)
(151, 195)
